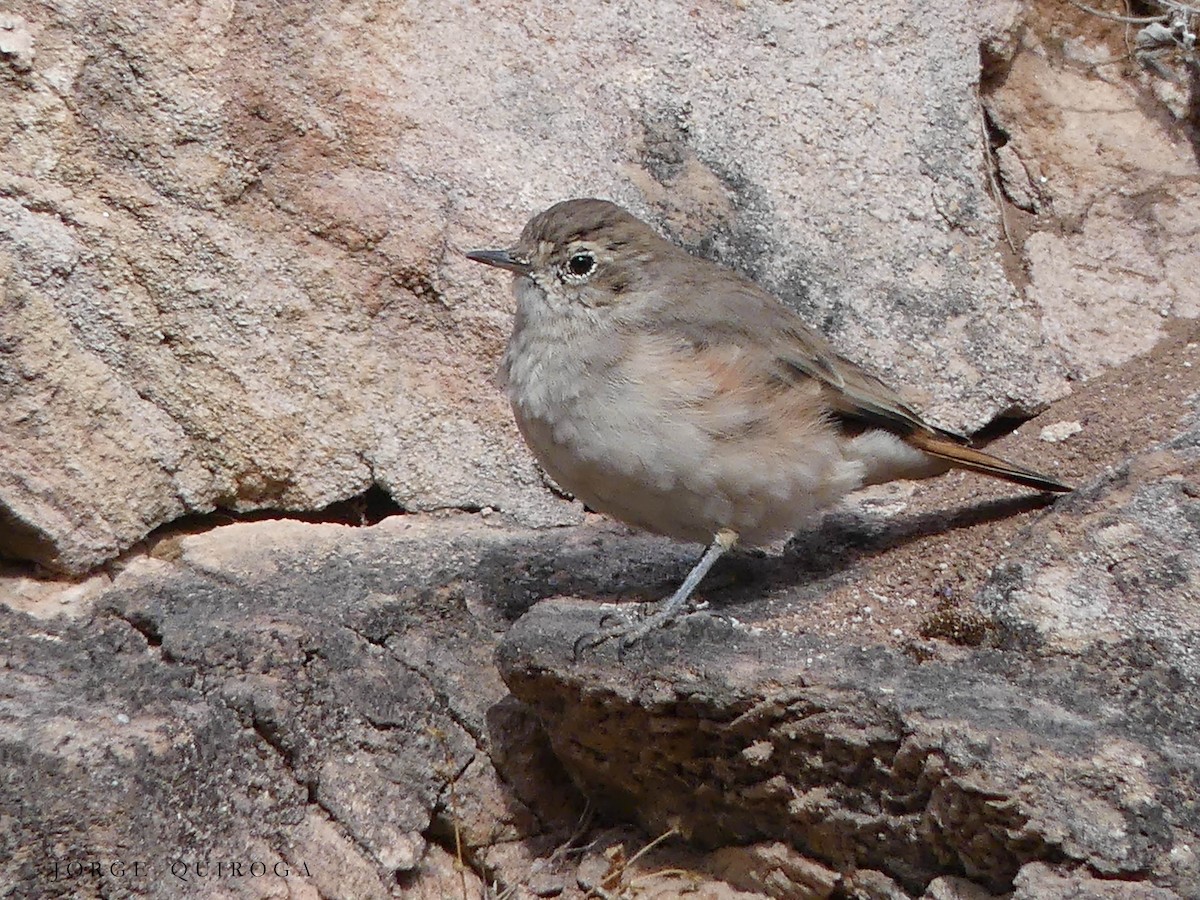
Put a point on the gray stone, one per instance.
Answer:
(308, 697)
(230, 236)
(1063, 730)
(231, 280)
(953, 888)
(1038, 881)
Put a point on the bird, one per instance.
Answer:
(683, 399)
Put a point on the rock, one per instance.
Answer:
(1121, 188)
(231, 280)
(1038, 881)
(546, 884)
(231, 235)
(1017, 185)
(952, 888)
(16, 43)
(1060, 431)
(868, 884)
(776, 870)
(308, 698)
(1062, 731)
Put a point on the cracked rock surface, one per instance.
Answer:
(396, 710)
(231, 284)
(313, 697)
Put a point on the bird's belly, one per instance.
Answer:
(658, 471)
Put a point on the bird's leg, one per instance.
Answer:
(723, 542)
(633, 632)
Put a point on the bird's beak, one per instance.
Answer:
(501, 259)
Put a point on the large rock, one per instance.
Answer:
(230, 234)
(229, 258)
(307, 707)
(1048, 717)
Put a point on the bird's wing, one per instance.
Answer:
(733, 314)
(733, 310)
(853, 394)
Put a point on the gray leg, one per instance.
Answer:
(632, 633)
(724, 541)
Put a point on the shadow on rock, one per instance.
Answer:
(609, 563)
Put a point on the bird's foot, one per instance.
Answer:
(627, 632)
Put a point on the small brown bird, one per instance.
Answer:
(681, 398)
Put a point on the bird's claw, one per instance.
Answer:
(638, 613)
(626, 634)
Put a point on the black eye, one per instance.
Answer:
(581, 264)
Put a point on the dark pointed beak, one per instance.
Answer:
(501, 259)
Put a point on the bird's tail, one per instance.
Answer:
(977, 461)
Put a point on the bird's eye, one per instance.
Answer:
(580, 265)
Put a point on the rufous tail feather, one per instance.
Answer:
(985, 463)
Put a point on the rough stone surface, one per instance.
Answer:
(1116, 194)
(317, 698)
(954, 888)
(230, 280)
(230, 234)
(1038, 881)
(1047, 714)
